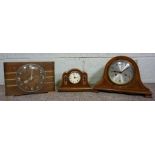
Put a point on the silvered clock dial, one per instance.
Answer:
(30, 77)
(121, 72)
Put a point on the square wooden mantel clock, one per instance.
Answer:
(23, 78)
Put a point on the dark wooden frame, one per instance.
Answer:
(133, 87)
(67, 86)
(11, 88)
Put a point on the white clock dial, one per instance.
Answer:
(121, 72)
(74, 77)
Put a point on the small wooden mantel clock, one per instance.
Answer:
(23, 78)
(74, 81)
(122, 75)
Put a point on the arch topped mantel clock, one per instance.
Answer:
(121, 75)
(74, 81)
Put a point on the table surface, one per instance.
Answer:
(78, 96)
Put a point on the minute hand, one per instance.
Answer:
(125, 68)
(31, 78)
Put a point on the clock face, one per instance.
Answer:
(30, 77)
(121, 72)
(74, 77)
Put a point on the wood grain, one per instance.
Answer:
(134, 87)
(67, 86)
(10, 69)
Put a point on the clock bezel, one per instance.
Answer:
(118, 60)
(33, 64)
(75, 71)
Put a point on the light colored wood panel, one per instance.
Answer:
(13, 81)
(12, 75)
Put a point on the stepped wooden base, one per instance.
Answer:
(137, 89)
(75, 89)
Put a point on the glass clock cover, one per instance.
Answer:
(30, 77)
(74, 77)
(121, 72)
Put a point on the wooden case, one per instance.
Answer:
(10, 69)
(134, 87)
(67, 86)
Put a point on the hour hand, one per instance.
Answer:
(31, 77)
(26, 81)
(116, 71)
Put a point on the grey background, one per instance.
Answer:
(92, 63)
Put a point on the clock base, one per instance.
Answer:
(24, 94)
(87, 89)
(140, 91)
(148, 95)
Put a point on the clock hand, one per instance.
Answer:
(26, 81)
(116, 72)
(125, 68)
(31, 78)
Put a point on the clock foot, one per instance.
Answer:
(148, 95)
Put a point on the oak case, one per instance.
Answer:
(10, 73)
(67, 86)
(135, 86)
